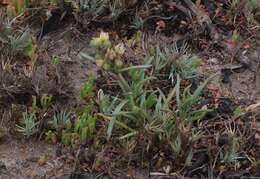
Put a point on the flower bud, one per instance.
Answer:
(120, 49)
(110, 54)
(99, 62)
(106, 66)
(119, 63)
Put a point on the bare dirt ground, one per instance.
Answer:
(21, 159)
(236, 82)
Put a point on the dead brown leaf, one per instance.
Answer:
(253, 107)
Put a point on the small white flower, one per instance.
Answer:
(120, 49)
(104, 36)
(101, 41)
(110, 54)
(99, 62)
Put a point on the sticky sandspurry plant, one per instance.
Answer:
(139, 105)
(132, 80)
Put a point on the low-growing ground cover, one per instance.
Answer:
(129, 89)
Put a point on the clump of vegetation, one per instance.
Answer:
(96, 7)
(139, 108)
(247, 9)
(186, 68)
(17, 7)
(20, 42)
(30, 125)
(60, 120)
(107, 56)
(71, 132)
(163, 61)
